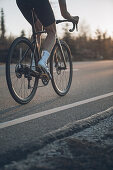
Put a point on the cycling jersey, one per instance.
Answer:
(42, 9)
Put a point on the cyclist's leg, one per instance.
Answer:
(50, 39)
(46, 16)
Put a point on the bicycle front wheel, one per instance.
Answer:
(61, 68)
(22, 85)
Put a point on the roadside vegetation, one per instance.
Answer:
(83, 46)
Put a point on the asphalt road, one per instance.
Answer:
(91, 92)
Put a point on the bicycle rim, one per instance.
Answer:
(61, 78)
(21, 84)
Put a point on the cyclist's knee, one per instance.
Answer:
(51, 30)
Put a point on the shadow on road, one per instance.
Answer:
(25, 110)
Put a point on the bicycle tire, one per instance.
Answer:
(10, 65)
(57, 75)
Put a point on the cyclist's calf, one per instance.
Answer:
(51, 37)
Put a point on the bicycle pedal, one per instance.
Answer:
(45, 79)
(45, 72)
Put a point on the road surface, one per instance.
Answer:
(91, 92)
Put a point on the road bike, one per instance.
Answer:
(23, 73)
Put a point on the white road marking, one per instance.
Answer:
(51, 111)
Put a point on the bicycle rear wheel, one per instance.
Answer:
(22, 85)
(61, 75)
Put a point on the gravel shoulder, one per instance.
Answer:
(85, 145)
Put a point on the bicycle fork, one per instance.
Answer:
(62, 54)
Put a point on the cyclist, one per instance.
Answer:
(44, 17)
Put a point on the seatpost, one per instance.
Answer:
(33, 23)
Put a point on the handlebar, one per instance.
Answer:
(57, 22)
(74, 24)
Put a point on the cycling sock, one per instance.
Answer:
(45, 55)
(43, 62)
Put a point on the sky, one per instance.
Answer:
(96, 14)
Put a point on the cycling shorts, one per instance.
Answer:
(42, 9)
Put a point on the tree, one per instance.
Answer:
(2, 25)
(84, 30)
(22, 33)
(67, 35)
